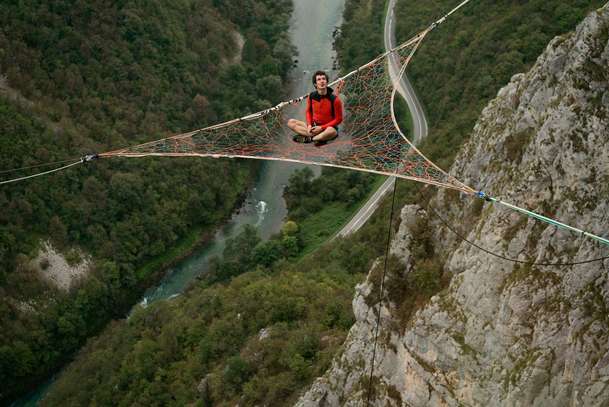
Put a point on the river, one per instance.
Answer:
(311, 30)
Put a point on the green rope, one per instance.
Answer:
(544, 218)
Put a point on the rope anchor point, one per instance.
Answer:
(483, 195)
(88, 157)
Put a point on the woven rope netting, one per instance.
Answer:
(369, 137)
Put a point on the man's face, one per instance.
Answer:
(321, 81)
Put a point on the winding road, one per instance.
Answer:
(419, 122)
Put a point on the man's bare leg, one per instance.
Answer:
(298, 127)
(328, 134)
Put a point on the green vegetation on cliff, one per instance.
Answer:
(465, 61)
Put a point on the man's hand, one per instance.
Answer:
(315, 130)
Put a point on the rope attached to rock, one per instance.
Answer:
(532, 263)
(542, 218)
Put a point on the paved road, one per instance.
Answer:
(418, 118)
(404, 87)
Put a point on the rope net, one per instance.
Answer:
(369, 136)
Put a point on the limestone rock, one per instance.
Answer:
(55, 268)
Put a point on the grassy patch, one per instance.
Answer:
(532, 275)
(318, 227)
(517, 143)
(460, 339)
(513, 229)
(521, 364)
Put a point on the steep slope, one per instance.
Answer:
(503, 333)
(77, 77)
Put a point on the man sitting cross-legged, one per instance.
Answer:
(324, 114)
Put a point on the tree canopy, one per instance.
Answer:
(463, 63)
(79, 77)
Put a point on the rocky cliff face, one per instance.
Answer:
(502, 333)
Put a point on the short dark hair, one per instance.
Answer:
(316, 74)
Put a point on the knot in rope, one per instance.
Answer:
(88, 157)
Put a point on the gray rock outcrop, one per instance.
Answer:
(502, 333)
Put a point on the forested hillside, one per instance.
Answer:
(361, 36)
(257, 329)
(463, 62)
(79, 77)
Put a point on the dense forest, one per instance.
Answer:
(465, 61)
(361, 36)
(79, 77)
(259, 327)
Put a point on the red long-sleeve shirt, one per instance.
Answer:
(322, 110)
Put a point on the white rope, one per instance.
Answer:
(459, 187)
(440, 21)
(29, 167)
(42, 173)
(451, 180)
